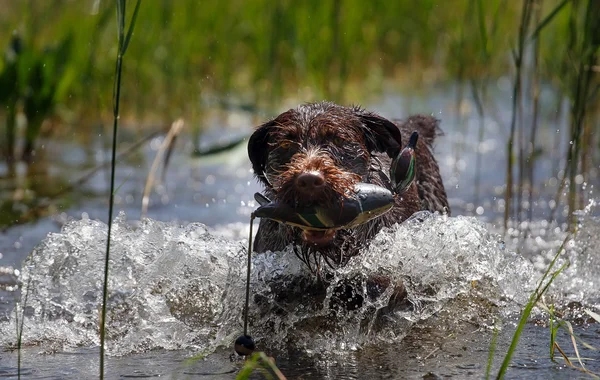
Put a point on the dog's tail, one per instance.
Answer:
(429, 180)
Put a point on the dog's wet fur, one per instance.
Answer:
(315, 153)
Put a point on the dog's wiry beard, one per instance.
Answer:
(346, 244)
(338, 183)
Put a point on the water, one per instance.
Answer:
(181, 287)
(177, 287)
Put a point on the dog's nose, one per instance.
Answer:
(310, 181)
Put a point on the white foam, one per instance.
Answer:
(175, 286)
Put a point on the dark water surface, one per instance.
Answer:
(178, 288)
(461, 356)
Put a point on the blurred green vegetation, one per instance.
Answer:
(188, 58)
(259, 51)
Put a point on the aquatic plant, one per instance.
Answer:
(556, 323)
(261, 50)
(311, 50)
(579, 81)
(575, 74)
(518, 58)
(266, 52)
(480, 81)
(586, 53)
(39, 79)
(493, 345)
(9, 94)
(160, 158)
(46, 83)
(534, 298)
(535, 95)
(123, 44)
(266, 365)
(20, 324)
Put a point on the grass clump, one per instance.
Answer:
(33, 82)
(266, 365)
(535, 297)
(557, 323)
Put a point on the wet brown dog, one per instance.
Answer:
(316, 152)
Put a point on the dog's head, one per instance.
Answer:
(315, 153)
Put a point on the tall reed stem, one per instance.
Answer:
(123, 43)
(20, 324)
(535, 89)
(588, 51)
(479, 100)
(516, 101)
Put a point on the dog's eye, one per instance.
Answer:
(285, 144)
(338, 140)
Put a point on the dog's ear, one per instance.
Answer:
(381, 134)
(258, 146)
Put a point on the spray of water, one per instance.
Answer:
(175, 286)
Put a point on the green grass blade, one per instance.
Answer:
(535, 296)
(560, 249)
(121, 22)
(547, 19)
(123, 182)
(533, 299)
(493, 345)
(20, 326)
(19, 336)
(560, 323)
(249, 366)
(131, 26)
(553, 330)
(260, 361)
(515, 340)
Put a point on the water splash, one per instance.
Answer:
(440, 260)
(174, 286)
(580, 283)
(168, 286)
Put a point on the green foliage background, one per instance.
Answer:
(260, 50)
